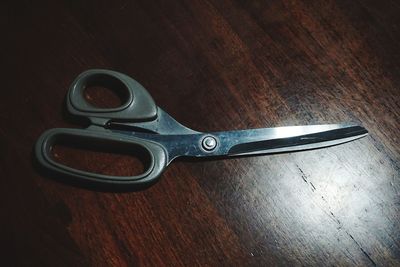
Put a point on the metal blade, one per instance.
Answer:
(286, 139)
(253, 141)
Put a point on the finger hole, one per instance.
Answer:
(106, 157)
(105, 92)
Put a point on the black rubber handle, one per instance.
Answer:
(157, 155)
(138, 105)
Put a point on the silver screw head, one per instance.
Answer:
(209, 143)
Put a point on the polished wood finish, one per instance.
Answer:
(213, 65)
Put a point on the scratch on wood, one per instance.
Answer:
(312, 186)
(362, 250)
(304, 177)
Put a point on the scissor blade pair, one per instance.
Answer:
(286, 139)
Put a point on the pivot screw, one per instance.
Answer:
(209, 143)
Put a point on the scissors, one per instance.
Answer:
(140, 125)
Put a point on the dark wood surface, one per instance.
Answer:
(213, 65)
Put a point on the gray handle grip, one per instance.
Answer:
(157, 155)
(138, 105)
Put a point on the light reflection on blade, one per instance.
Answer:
(254, 141)
(286, 139)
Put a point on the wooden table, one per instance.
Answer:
(213, 65)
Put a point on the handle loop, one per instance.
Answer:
(158, 155)
(138, 106)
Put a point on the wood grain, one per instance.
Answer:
(213, 65)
